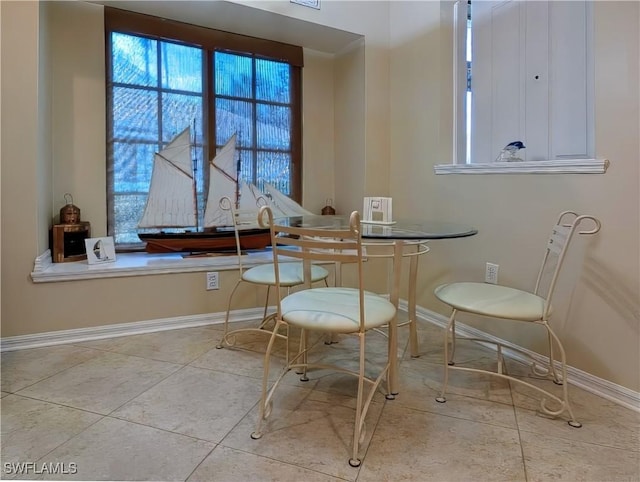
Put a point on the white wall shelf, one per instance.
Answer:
(139, 264)
(569, 166)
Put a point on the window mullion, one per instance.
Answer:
(209, 119)
(254, 153)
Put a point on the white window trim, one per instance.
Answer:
(564, 166)
(140, 264)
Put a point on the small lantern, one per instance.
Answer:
(67, 237)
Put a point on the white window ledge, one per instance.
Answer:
(140, 264)
(565, 166)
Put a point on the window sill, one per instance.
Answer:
(139, 264)
(568, 166)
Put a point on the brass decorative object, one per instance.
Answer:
(70, 213)
(67, 237)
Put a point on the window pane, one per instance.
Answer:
(132, 165)
(233, 75)
(181, 67)
(274, 127)
(134, 60)
(127, 210)
(135, 114)
(275, 169)
(272, 81)
(234, 116)
(179, 112)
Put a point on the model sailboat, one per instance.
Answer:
(170, 219)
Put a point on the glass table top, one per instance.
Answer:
(400, 229)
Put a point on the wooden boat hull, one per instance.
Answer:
(199, 242)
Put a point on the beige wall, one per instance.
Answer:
(79, 124)
(350, 132)
(389, 124)
(318, 145)
(21, 149)
(514, 212)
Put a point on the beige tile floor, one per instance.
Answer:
(170, 406)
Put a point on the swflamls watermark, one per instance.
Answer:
(39, 468)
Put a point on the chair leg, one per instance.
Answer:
(358, 432)
(552, 366)
(223, 341)
(447, 359)
(266, 304)
(453, 339)
(229, 336)
(565, 384)
(265, 406)
(363, 400)
(304, 343)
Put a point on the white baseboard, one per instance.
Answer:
(78, 335)
(598, 386)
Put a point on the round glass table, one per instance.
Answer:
(402, 239)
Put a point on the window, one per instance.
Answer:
(523, 71)
(165, 76)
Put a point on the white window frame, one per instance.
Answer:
(552, 166)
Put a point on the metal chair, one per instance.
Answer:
(261, 275)
(326, 311)
(506, 303)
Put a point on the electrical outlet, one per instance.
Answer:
(212, 280)
(491, 273)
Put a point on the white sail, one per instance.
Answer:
(282, 204)
(257, 196)
(170, 202)
(222, 182)
(249, 195)
(265, 199)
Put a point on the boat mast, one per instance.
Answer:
(195, 172)
(238, 166)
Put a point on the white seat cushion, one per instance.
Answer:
(290, 274)
(335, 309)
(492, 300)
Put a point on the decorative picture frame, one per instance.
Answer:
(308, 3)
(377, 210)
(100, 250)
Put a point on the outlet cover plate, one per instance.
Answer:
(491, 273)
(212, 280)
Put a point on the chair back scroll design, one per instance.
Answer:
(557, 247)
